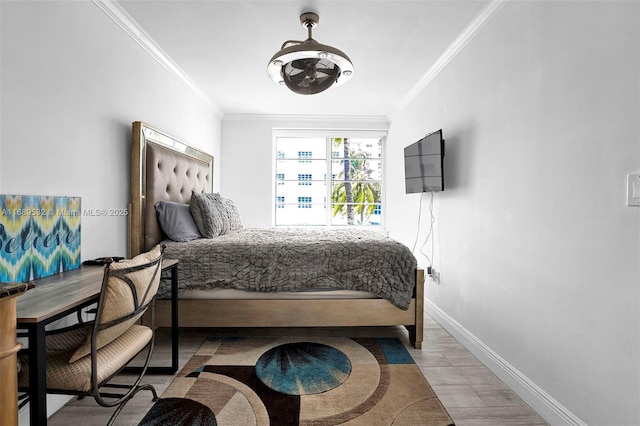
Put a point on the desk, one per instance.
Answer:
(59, 295)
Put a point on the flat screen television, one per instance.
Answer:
(424, 164)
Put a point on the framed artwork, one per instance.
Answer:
(39, 236)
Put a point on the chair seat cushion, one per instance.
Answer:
(76, 376)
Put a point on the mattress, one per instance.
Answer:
(276, 260)
(232, 294)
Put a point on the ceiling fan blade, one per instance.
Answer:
(297, 78)
(303, 64)
(298, 65)
(327, 72)
(323, 81)
(295, 71)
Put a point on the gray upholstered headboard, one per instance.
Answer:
(162, 169)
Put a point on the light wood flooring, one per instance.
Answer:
(471, 393)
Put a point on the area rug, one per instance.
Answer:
(281, 381)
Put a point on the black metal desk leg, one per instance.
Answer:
(37, 376)
(162, 369)
(174, 318)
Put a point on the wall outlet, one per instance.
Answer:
(633, 189)
(435, 275)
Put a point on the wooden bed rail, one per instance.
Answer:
(299, 313)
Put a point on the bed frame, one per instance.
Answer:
(165, 169)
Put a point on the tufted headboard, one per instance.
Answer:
(162, 169)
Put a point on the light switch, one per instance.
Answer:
(633, 189)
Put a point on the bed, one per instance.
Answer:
(165, 169)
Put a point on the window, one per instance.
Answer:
(304, 202)
(304, 179)
(304, 156)
(347, 189)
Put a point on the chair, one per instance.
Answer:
(83, 358)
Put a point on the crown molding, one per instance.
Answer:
(114, 11)
(378, 119)
(486, 14)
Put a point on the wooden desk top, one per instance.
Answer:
(57, 293)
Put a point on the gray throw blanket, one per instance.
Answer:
(270, 260)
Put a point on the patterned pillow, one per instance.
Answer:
(209, 213)
(233, 215)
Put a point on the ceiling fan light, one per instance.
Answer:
(308, 67)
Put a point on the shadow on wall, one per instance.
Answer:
(458, 151)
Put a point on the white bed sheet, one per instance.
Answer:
(229, 293)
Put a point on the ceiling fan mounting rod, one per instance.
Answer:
(309, 20)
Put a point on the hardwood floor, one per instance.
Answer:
(471, 393)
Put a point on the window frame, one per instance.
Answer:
(328, 135)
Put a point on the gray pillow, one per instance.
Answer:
(233, 215)
(209, 214)
(176, 221)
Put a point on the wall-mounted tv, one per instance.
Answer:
(424, 164)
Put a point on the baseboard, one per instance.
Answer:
(543, 403)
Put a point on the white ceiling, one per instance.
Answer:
(223, 46)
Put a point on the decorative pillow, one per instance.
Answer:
(233, 215)
(176, 221)
(209, 214)
(118, 300)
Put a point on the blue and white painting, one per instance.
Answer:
(39, 236)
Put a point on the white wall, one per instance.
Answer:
(247, 171)
(72, 84)
(539, 254)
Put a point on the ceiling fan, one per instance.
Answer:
(308, 67)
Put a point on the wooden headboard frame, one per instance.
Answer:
(162, 169)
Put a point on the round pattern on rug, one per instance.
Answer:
(178, 412)
(303, 368)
